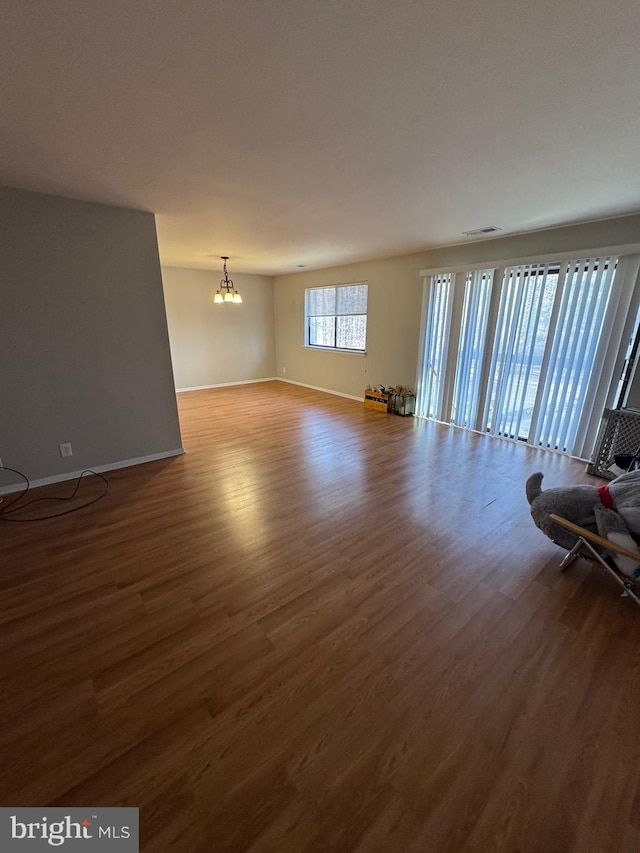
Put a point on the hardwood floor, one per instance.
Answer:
(321, 629)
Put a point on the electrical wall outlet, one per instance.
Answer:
(284, 369)
(65, 449)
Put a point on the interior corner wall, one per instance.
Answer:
(393, 328)
(395, 303)
(218, 344)
(84, 343)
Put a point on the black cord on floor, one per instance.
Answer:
(13, 507)
(3, 509)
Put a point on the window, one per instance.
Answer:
(336, 317)
(457, 318)
(521, 336)
(526, 352)
(436, 336)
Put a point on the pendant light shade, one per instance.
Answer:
(226, 292)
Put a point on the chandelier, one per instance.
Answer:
(226, 292)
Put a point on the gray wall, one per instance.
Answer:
(218, 344)
(395, 303)
(83, 337)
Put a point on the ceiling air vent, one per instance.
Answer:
(490, 229)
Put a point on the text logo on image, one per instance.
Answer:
(99, 829)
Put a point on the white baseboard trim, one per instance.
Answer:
(269, 379)
(99, 469)
(317, 388)
(225, 384)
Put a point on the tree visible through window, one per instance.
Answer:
(336, 317)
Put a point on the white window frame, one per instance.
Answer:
(307, 315)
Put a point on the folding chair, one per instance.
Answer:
(584, 547)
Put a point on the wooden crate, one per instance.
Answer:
(377, 401)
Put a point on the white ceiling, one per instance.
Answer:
(317, 132)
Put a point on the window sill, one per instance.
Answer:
(335, 349)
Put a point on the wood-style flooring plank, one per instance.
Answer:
(335, 630)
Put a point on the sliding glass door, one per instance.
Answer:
(522, 351)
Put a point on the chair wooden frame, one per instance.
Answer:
(584, 547)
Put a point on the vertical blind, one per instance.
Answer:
(521, 334)
(471, 347)
(521, 351)
(430, 385)
(577, 326)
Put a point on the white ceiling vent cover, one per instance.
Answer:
(490, 229)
